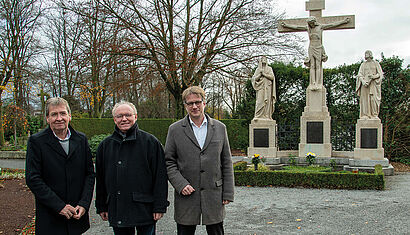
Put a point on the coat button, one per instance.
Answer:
(119, 222)
(119, 162)
(119, 192)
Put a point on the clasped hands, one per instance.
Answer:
(72, 212)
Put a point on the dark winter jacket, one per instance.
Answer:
(57, 179)
(131, 178)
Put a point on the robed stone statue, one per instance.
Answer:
(368, 87)
(263, 81)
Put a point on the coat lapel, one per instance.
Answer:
(189, 132)
(74, 143)
(54, 144)
(210, 132)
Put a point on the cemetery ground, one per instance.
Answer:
(17, 210)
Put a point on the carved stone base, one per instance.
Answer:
(315, 125)
(321, 150)
(369, 140)
(262, 138)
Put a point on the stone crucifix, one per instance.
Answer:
(315, 25)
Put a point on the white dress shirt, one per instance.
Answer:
(200, 132)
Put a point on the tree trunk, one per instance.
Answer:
(2, 140)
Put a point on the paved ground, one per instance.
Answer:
(299, 211)
(306, 211)
(13, 163)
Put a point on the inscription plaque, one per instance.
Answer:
(368, 138)
(314, 132)
(261, 138)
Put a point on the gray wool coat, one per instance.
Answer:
(209, 171)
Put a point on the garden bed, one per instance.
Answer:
(311, 177)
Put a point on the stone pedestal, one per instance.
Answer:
(369, 145)
(315, 125)
(262, 138)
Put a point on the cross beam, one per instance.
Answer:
(315, 8)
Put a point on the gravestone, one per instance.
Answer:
(315, 120)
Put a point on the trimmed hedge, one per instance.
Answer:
(93, 126)
(237, 128)
(97, 126)
(332, 180)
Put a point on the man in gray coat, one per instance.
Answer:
(199, 167)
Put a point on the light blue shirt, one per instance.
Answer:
(200, 132)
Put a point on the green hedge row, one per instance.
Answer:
(237, 128)
(332, 180)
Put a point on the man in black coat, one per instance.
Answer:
(60, 173)
(132, 188)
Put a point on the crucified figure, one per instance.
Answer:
(316, 50)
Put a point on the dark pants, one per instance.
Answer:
(211, 229)
(141, 230)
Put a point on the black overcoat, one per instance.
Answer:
(131, 178)
(57, 179)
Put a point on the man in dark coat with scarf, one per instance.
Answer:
(132, 187)
(60, 173)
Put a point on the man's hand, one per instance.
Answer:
(80, 212)
(225, 202)
(157, 216)
(68, 211)
(104, 216)
(187, 190)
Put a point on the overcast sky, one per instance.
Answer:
(380, 26)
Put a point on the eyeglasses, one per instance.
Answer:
(121, 116)
(197, 103)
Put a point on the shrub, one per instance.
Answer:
(310, 158)
(95, 141)
(333, 164)
(305, 169)
(292, 160)
(261, 168)
(378, 169)
(240, 166)
(310, 179)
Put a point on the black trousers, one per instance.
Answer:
(211, 229)
(141, 230)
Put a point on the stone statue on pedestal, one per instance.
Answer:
(263, 81)
(368, 87)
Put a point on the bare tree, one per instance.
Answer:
(63, 31)
(19, 21)
(186, 40)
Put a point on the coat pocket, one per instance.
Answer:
(219, 183)
(142, 197)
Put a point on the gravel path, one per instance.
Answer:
(298, 210)
(305, 211)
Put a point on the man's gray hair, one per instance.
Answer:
(121, 103)
(57, 101)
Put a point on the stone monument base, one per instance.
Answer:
(321, 150)
(315, 125)
(262, 138)
(369, 140)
